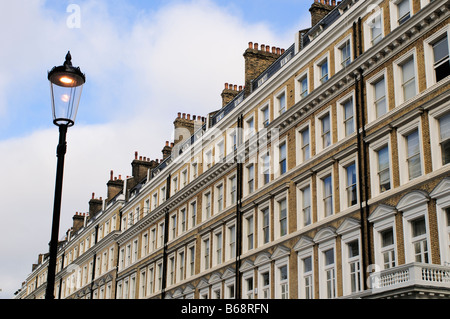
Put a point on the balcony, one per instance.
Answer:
(413, 280)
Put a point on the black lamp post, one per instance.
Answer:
(66, 83)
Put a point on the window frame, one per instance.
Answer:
(398, 77)
(429, 53)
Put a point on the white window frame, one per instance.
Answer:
(429, 54)
(299, 93)
(278, 109)
(398, 76)
(261, 209)
(318, 119)
(374, 148)
(343, 194)
(230, 253)
(323, 269)
(217, 247)
(338, 53)
(249, 130)
(264, 269)
(302, 274)
(300, 157)
(368, 39)
(181, 265)
(192, 218)
(341, 132)
(300, 203)
(317, 69)
(246, 191)
(393, 8)
(246, 293)
(219, 198)
(205, 260)
(277, 214)
(277, 157)
(371, 102)
(278, 282)
(190, 262)
(246, 233)
(402, 133)
(346, 260)
(230, 190)
(262, 165)
(206, 204)
(435, 138)
(329, 171)
(262, 123)
(173, 223)
(383, 218)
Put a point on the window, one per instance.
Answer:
(249, 232)
(183, 220)
(206, 254)
(265, 286)
(327, 198)
(282, 217)
(218, 248)
(219, 191)
(283, 283)
(408, 79)
(231, 241)
(265, 168)
(173, 221)
(379, 88)
(303, 86)
(404, 13)
(250, 127)
(265, 115)
(207, 201)
(220, 151)
(307, 278)
(323, 71)
(265, 225)
(193, 213)
(419, 240)
(329, 273)
(441, 58)
(346, 118)
(251, 178)
(304, 148)
(282, 155)
(280, 103)
(405, 78)
(387, 248)
(325, 130)
(191, 265)
(248, 286)
(306, 214)
(343, 54)
(161, 234)
(376, 32)
(194, 169)
(354, 266)
(413, 154)
(233, 194)
(180, 265)
(350, 189)
(444, 138)
(384, 175)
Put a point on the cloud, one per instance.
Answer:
(140, 73)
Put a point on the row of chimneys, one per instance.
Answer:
(257, 59)
(265, 48)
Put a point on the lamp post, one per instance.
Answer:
(66, 83)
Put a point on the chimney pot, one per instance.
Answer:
(240, 87)
(111, 174)
(278, 51)
(194, 117)
(136, 155)
(167, 143)
(140, 158)
(179, 114)
(120, 177)
(189, 116)
(171, 144)
(250, 45)
(255, 46)
(184, 115)
(267, 48)
(226, 86)
(93, 195)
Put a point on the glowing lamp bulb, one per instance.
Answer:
(66, 80)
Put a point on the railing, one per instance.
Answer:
(409, 275)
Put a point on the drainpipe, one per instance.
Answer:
(166, 239)
(60, 280)
(239, 141)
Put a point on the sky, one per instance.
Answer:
(144, 61)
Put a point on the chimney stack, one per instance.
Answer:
(78, 221)
(114, 186)
(95, 206)
(320, 9)
(256, 61)
(185, 127)
(229, 93)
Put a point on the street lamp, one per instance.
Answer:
(66, 83)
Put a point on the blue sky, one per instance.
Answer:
(144, 61)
